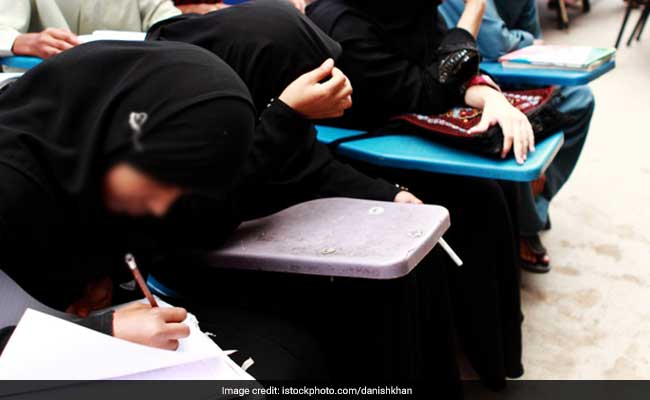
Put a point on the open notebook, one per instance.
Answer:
(44, 347)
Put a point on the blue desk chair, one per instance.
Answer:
(20, 62)
(543, 77)
(417, 153)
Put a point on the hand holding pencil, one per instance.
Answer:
(150, 325)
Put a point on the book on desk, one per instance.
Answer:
(574, 58)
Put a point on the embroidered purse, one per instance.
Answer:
(452, 127)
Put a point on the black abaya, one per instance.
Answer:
(268, 57)
(394, 57)
(375, 331)
(391, 57)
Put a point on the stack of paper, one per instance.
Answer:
(113, 35)
(558, 57)
(44, 347)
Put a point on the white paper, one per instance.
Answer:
(7, 77)
(112, 35)
(48, 348)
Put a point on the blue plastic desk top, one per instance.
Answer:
(413, 152)
(542, 77)
(20, 62)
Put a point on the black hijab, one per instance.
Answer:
(267, 60)
(175, 112)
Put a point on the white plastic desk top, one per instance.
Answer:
(336, 237)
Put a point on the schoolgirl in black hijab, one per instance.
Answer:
(270, 44)
(401, 58)
(70, 127)
(375, 331)
(111, 142)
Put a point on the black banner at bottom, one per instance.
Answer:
(223, 390)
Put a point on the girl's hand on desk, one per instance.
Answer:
(315, 100)
(44, 44)
(517, 132)
(159, 327)
(407, 198)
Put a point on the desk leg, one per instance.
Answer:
(625, 18)
(646, 14)
(563, 15)
(637, 27)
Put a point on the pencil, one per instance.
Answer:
(450, 252)
(130, 261)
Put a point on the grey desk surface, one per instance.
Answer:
(336, 237)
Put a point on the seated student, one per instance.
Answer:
(400, 59)
(291, 45)
(91, 169)
(508, 26)
(47, 27)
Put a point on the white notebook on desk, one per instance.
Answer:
(112, 35)
(44, 347)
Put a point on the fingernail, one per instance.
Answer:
(329, 63)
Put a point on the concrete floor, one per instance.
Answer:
(590, 317)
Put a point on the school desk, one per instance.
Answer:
(543, 77)
(335, 237)
(417, 153)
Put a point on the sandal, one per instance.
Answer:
(533, 255)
